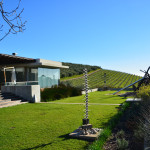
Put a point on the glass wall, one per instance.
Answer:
(45, 77)
(48, 77)
(32, 76)
(24, 76)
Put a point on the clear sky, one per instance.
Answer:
(113, 34)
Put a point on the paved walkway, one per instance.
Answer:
(12, 104)
(79, 103)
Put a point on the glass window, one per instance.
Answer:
(8, 75)
(2, 76)
(48, 77)
(20, 74)
(32, 74)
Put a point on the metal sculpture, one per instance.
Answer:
(143, 81)
(86, 88)
(86, 131)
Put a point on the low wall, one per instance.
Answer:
(28, 92)
(91, 90)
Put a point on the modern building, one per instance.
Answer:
(20, 72)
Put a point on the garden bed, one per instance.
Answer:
(134, 125)
(127, 126)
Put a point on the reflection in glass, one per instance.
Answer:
(32, 76)
(45, 77)
(48, 77)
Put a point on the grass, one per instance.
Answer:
(96, 97)
(46, 126)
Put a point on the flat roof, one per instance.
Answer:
(17, 61)
(12, 59)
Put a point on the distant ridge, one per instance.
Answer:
(76, 69)
(82, 76)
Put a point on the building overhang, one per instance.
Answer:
(48, 64)
(16, 61)
(11, 59)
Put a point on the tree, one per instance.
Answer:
(10, 21)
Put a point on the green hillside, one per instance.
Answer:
(75, 69)
(114, 79)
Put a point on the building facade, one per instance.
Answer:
(27, 71)
(22, 71)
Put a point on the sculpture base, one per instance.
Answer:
(86, 132)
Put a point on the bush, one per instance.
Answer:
(139, 132)
(59, 92)
(122, 144)
(120, 134)
(144, 92)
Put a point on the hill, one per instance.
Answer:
(102, 77)
(75, 69)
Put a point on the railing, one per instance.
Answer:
(22, 83)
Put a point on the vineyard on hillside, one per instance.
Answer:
(104, 78)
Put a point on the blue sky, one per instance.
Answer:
(113, 34)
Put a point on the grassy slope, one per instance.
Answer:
(96, 97)
(114, 79)
(46, 126)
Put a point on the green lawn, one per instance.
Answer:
(46, 126)
(95, 97)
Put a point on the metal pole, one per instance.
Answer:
(86, 92)
(105, 79)
(86, 120)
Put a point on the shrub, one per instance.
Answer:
(120, 134)
(139, 132)
(59, 92)
(122, 144)
(144, 92)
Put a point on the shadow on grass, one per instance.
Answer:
(65, 137)
(38, 146)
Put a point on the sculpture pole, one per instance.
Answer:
(86, 88)
(86, 131)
